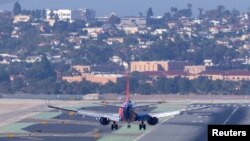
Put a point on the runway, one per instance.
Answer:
(188, 126)
(192, 126)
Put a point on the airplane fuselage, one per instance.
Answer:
(126, 112)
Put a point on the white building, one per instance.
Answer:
(133, 22)
(71, 15)
(63, 14)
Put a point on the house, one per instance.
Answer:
(159, 31)
(21, 18)
(33, 59)
(116, 59)
(223, 42)
(82, 69)
(113, 40)
(172, 24)
(246, 45)
(214, 30)
(208, 62)
(93, 32)
(130, 30)
(215, 22)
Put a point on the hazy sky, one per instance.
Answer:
(127, 7)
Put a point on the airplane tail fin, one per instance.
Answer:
(127, 88)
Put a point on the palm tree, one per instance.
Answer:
(220, 9)
(174, 10)
(200, 12)
(189, 6)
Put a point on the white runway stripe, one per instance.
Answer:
(226, 121)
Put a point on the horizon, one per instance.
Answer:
(106, 7)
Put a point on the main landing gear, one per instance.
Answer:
(114, 126)
(142, 125)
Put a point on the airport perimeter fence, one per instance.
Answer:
(41, 96)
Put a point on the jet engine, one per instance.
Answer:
(104, 121)
(152, 120)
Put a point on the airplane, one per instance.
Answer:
(126, 113)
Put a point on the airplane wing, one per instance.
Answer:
(110, 116)
(95, 114)
(110, 105)
(135, 106)
(173, 113)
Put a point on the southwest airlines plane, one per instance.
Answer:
(126, 113)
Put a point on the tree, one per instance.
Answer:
(51, 14)
(41, 70)
(174, 9)
(189, 6)
(44, 14)
(17, 84)
(200, 12)
(4, 76)
(184, 85)
(220, 9)
(61, 26)
(149, 15)
(5, 25)
(56, 17)
(140, 14)
(17, 8)
(113, 19)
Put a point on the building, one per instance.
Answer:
(194, 69)
(71, 15)
(208, 62)
(63, 14)
(113, 40)
(4, 13)
(237, 75)
(130, 30)
(233, 75)
(144, 66)
(21, 18)
(71, 79)
(81, 69)
(88, 14)
(102, 78)
(94, 78)
(172, 69)
(76, 14)
(95, 74)
(33, 59)
(133, 22)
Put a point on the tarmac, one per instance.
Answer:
(192, 126)
(188, 126)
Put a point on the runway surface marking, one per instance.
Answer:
(230, 115)
(142, 135)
